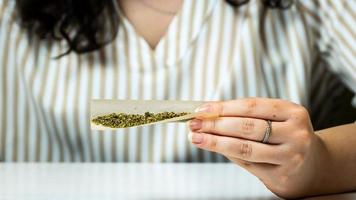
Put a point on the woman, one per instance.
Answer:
(65, 53)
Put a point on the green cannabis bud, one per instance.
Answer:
(123, 120)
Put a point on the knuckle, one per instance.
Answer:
(287, 152)
(245, 150)
(220, 108)
(298, 158)
(209, 125)
(217, 107)
(294, 155)
(300, 114)
(211, 142)
(303, 138)
(248, 126)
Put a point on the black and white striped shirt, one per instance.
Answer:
(211, 51)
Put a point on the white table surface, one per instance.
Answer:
(131, 181)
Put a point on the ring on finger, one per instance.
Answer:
(268, 132)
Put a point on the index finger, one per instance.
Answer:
(261, 108)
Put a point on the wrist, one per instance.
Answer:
(321, 167)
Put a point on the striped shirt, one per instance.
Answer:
(211, 51)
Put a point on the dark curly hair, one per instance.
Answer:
(86, 25)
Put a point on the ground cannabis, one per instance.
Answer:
(123, 120)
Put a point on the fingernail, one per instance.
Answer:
(206, 111)
(197, 138)
(195, 125)
(204, 108)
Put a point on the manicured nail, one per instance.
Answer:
(206, 111)
(204, 108)
(195, 124)
(197, 138)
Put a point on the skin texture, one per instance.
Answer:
(141, 16)
(296, 162)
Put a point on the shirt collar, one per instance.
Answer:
(180, 36)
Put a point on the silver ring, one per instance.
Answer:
(267, 132)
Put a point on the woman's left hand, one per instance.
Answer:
(287, 163)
